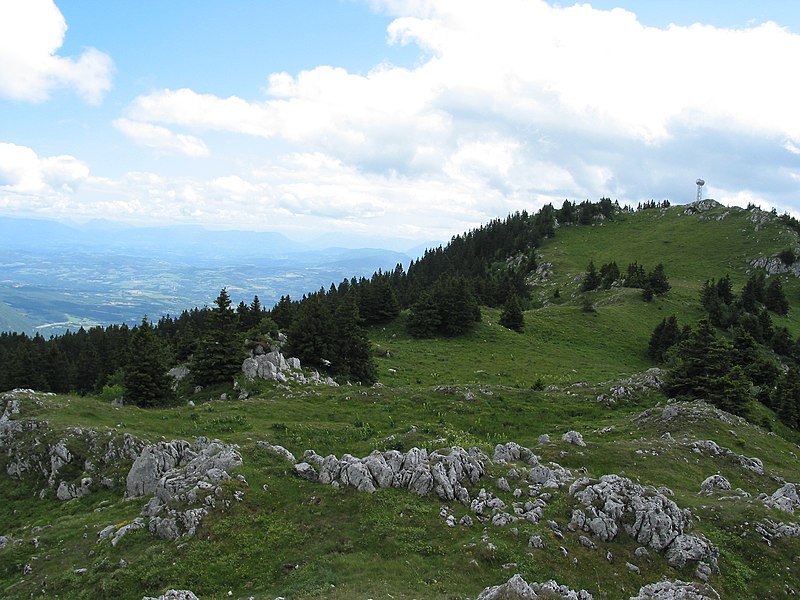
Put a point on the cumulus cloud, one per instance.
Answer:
(161, 138)
(23, 171)
(512, 104)
(521, 98)
(31, 33)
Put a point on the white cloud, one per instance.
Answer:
(513, 104)
(161, 138)
(31, 33)
(22, 171)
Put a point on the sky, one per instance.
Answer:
(391, 122)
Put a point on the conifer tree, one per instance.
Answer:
(512, 316)
(309, 336)
(351, 358)
(146, 381)
(775, 298)
(219, 354)
(591, 279)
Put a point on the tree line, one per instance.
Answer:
(442, 293)
(735, 355)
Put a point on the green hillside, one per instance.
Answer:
(274, 534)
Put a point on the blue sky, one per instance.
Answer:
(393, 121)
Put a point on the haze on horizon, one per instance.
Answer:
(408, 120)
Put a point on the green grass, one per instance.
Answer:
(302, 540)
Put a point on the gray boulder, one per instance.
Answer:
(279, 450)
(517, 588)
(676, 590)
(574, 438)
(68, 491)
(712, 483)
(305, 471)
(686, 548)
(784, 498)
(154, 461)
(173, 595)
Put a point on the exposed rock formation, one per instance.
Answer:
(443, 472)
(273, 366)
(174, 595)
(785, 498)
(185, 479)
(713, 483)
(517, 588)
(574, 438)
(676, 590)
(652, 379)
(711, 447)
(647, 515)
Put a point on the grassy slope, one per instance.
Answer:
(393, 544)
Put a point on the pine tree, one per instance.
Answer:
(591, 279)
(424, 320)
(512, 316)
(219, 354)
(774, 297)
(146, 381)
(664, 336)
(352, 358)
(657, 280)
(310, 334)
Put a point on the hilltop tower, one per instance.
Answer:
(700, 183)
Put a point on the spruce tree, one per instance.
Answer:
(146, 381)
(310, 334)
(352, 358)
(512, 316)
(591, 279)
(219, 354)
(774, 297)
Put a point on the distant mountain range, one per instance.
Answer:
(55, 277)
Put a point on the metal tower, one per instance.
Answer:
(700, 184)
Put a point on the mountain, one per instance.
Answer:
(56, 277)
(554, 453)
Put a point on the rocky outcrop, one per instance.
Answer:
(574, 438)
(647, 515)
(517, 588)
(676, 590)
(785, 498)
(770, 530)
(185, 480)
(443, 472)
(68, 491)
(279, 450)
(775, 266)
(154, 461)
(712, 448)
(714, 483)
(173, 595)
(273, 366)
(633, 386)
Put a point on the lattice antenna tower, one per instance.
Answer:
(700, 184)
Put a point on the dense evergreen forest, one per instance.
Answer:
(325, 329)
(731, 357)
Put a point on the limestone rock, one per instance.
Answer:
(154, 461)
(279, 450)
(714, 482)
(646, 514)
(173, 595)
(68, 491)
(305, 471)
(574, 438)
(676, 590)
(785, 498)
(517, 588)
